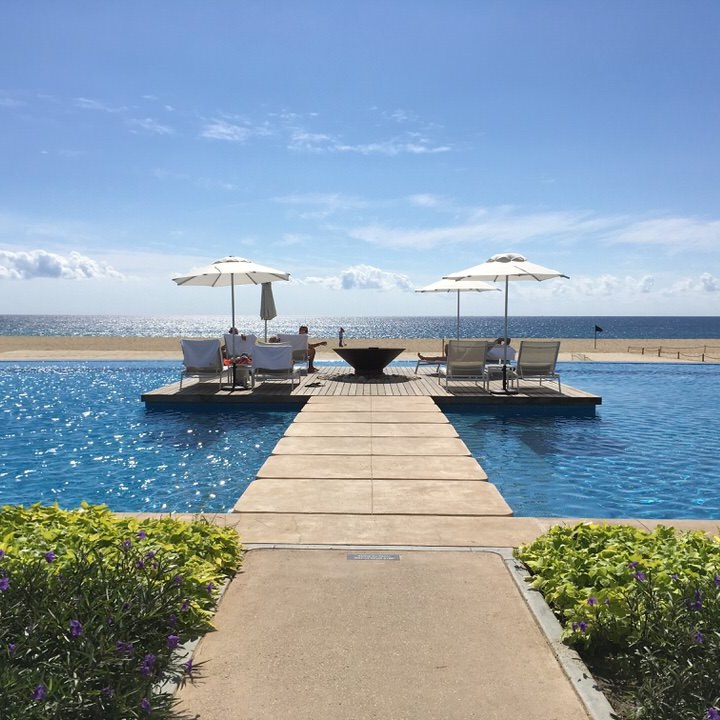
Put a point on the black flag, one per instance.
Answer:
(598, 328)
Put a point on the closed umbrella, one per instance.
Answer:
(458, 286)
(267, 305)
(505, 267)
(232, 271)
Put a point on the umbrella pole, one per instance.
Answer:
(266, 331)
(505, 337)
(232, 297)
(458, 315)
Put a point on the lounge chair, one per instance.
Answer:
(235, 345)
(536, 360)
(436, 360)
(201, 358)
(274, 361)
(299, 344)
(465, 361)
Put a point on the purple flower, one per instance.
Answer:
(4, 583)
(639, 576)
(633, 564)
(139, 564)
(126, 544)
(698, 637)
(141, 534)
(713, 713)
(696, 602)
(178, 579)
(716, 580)
(2, 555)
(39, 693)
(76, 628)
(145, 705)
(11, 649)
(107, 691)
(173, 641)
(50, 556)
(210, 587)
(150, 554)
(124, 647)
(581, 626)
(185, 606)
(147, 664)
(592, 600)
(189, 668)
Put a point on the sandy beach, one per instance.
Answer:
(31, 347)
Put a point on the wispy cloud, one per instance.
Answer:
(89, 104)
(228, 131)
(42, 264)
(148, 125)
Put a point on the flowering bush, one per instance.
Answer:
(642, 608)
(94, 609)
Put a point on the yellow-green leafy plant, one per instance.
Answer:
(95, 608)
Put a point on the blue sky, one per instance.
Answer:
(367, 148)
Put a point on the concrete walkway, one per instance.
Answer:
(375, 584)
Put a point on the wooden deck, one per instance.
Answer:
(398, 381)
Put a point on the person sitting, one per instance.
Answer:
(501, 351)
(311, 348)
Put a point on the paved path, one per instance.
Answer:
(371, 590)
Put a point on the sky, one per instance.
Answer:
(368, 148)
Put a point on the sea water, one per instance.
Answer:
(365, 327)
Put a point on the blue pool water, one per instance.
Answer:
(651, 451)
(78, 431)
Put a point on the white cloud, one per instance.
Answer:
(88, 104)
(364, 277)
(706, 283)
(232, 132)
(151, 126)
(680, 233)
(43, 264)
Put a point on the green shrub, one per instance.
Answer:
(94, 607)
(643, 609)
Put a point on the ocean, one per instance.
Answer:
(618, 327)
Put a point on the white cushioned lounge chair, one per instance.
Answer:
(201, 359)
(235, 345)
(299, 344)
(274, 361)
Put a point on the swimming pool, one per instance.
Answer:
(650, 452)
(78, 431)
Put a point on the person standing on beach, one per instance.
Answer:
(311, 348)
(341, 336)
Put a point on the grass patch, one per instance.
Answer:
(95, 608)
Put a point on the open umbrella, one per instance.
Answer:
(232, 271)
(458, 286)
(267, 305)
(503, 268)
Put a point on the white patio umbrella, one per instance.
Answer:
(267, 305)
(232, 271)
(458, 286)
(505, 267)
